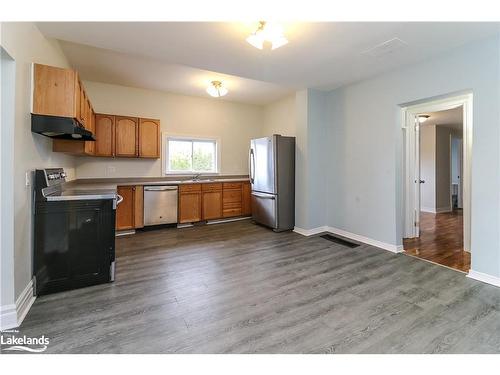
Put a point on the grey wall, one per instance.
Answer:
(8, 84)
(456, 173)
(310, 176)
(443, 168)
(24, 42)
(365, 143)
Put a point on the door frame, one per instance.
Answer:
(411, 165)
(459, 192)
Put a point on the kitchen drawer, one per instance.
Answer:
(211, 187)
(232, 185)
(231, 205)
(188, 188)
(230, 196)
(231, 212)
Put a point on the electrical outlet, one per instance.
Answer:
(110, 170)
(27, 178)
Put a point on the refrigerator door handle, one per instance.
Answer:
(251, 160)
(263, 196)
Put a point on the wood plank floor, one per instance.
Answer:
(240, 288)
(441, 240)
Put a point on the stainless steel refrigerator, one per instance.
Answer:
(272, 175)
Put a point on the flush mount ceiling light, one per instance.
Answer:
(423, 118)
(216, 89)
(267, 32)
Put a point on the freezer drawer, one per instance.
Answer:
(264, 209)
(160, 205)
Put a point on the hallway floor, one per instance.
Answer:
(441, 240)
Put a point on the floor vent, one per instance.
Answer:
(339, 240)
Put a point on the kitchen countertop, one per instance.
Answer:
(112, 183)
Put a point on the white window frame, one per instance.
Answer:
(175, 137)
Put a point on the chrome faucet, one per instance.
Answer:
(196, 177)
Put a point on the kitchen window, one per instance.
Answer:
(186, 155)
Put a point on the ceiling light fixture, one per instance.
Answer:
(267, 32)
(422, 118)
(216, 89)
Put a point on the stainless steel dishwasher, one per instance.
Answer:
(160, 205)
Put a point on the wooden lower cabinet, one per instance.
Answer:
(211, 201)
(232, 199)
(189, 207)
(126, 209)
(139, 207)
(246, 196)
(130, 212)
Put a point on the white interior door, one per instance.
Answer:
(417, 179)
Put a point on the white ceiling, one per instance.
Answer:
(100, 65)
(320, 55)
(451, 118)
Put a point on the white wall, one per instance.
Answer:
(280, 117)
(428, 168)
(303, 116)
(366, 142)
(24, 42)
(234, 123)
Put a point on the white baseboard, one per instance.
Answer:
(8, 317)
(228, 220)
(310, 232)
(11, 316)
(24, 302)
(485, 278)
(438, 210)
(356, 237)
(430, 210)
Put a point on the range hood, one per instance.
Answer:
(60, 128)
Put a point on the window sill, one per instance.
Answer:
(177, 174)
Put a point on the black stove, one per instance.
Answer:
(74, 234)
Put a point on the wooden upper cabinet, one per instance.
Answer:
(59, 92)
(126, 130)
(90, 119)
(104, 135)
(83, 107)
(55, 91)
(149, 138)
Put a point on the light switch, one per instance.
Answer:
(28, 178)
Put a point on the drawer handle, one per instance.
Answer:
(263, 196)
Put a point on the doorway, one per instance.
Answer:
(437, 181)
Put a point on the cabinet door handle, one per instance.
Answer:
(120, 199)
